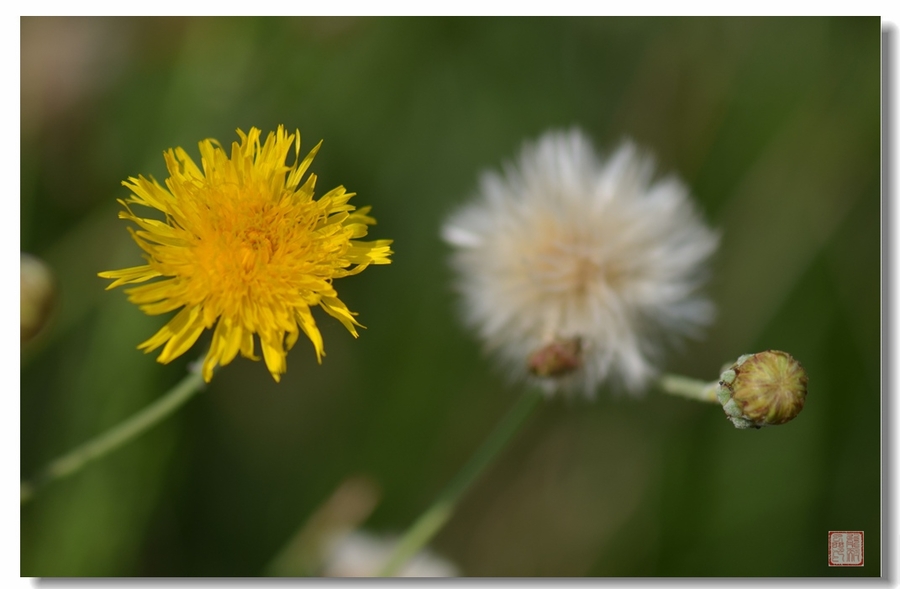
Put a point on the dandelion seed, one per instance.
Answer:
(575, 271)
(244, 248)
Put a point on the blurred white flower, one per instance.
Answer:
(575, 270)
(359, 554)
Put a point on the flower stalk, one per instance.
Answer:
(689, 388)
(433, 519)
(116, 437)
(779, 392)
(431, 522)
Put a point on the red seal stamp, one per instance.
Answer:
(845, 549)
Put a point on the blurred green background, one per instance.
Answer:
(774, 123)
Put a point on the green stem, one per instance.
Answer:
(117, 436)
(430, 522)
(691, 388)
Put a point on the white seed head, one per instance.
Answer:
(565, 247)
(360, 554)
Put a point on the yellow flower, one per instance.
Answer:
(245, 248)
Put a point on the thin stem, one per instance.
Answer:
(430, 522)
(691, 388)
(117, 436)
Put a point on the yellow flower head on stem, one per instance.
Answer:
(244, 248)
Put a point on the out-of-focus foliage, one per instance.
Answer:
(774, 123)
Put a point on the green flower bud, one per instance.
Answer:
(768, 388)
(37, 296)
